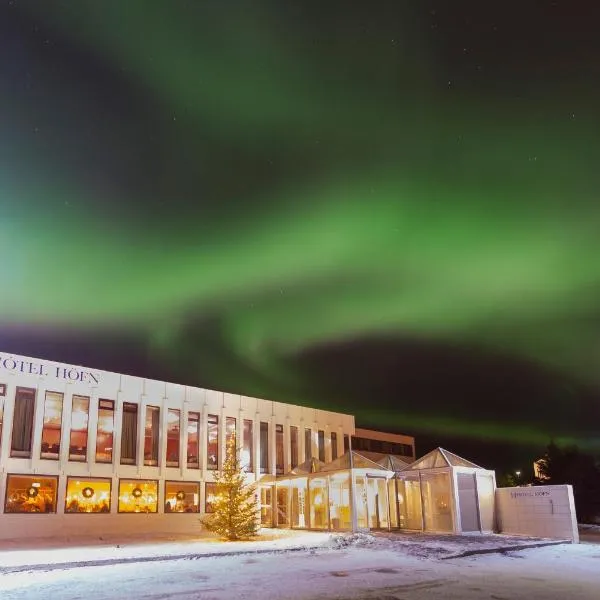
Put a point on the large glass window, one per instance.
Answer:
(53, 408)
(319, 503)
(437, 509)
(321, 437)
(151, 436)
(339, 501)
(334, 448)
(87, 495)
(210, 490)
(137, 496)
(307, 444)
(22, 431)
(182, 497)
(279, 449)
(230, 425)
(346, 443)
(294, 446)
(30, 494)
(212, 443)
(248, 451)
(173, 435)
(129, 434)
(106, 425)
(193, 440)
(78, 438)
(264, 447)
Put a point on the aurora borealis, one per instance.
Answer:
(388, 207)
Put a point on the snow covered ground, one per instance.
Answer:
(361, 566)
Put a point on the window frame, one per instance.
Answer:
(23, 453)
(104, 479)
(32, 476)
(126, 512)
(173, 481)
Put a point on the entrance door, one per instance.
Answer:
(377, 503)
(283, 519)
(467, 502)
(266, 506)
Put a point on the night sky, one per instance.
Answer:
(384, 208)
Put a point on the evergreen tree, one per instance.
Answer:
(235, 515)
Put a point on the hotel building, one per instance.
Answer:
(94, 452)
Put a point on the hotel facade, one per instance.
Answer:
(94, 452)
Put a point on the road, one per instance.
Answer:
(566, 571)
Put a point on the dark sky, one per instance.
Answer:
(386, 208)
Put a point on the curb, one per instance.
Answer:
(502, 549)
(146, 559)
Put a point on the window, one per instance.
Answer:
(106, 425)
(53, 407)
(334, 453)
(2, 394)
(307, 444)
(248, 450)
(129, 434)
(182, 497)
(173, 429)
(79, 428)
(212, 443)
(321, 438)
(22, 431)
(193, 440)
(87, 495)
(210, 490)
(279, 466)
(346, 443)
(264, 447)
(30, 494)
(151, 436)
(294, 446)
(138, 496)
(230, 425)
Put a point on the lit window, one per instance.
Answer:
(307, 444)
(212, 442)
(334, 448)
(53, 407)
(321, 437)
(248, 451)
(22, 430)
(79, 428)
(173, 429)
(210, 490)
(30, 494)
(279, 467)
(293, 446)
(230, 426)
(193, 440)
(182, 497)
(264, 447)
(129, 434)
(151, 433)
(106, 425)
(87, 495)
(138, 496)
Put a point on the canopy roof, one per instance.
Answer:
(440, 458)
(350, 460)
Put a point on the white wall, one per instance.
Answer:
(542, 511)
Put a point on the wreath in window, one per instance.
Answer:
(32, 492)
(87, 492)
(137, 492)
(180, 495)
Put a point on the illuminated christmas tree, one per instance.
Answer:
(235, 506)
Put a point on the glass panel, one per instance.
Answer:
(248, 451)
(79, 428)
(264, 447)
(279, 449)
(485, 495)
(319, 503)
(361, 502)
(87, 495)
(346, 443)
(334, 448)
(173, 430)
(294, 446)
(30, 494)
(212, 442)
(129, 434)
(106, 425)
(151, 435)
(339, 501)
(22, 431)
(230, 425)
(436, 501)
(409, 504)
(321, 445)
(193, 440)
(307, 444)
(182, 497)
(210, 489)
(393, 503)
(266, 508)
(53, 408)
(299, 504)
(282, 506)
(377, 502)
(138, 496)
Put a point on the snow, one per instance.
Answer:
(379, 566)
